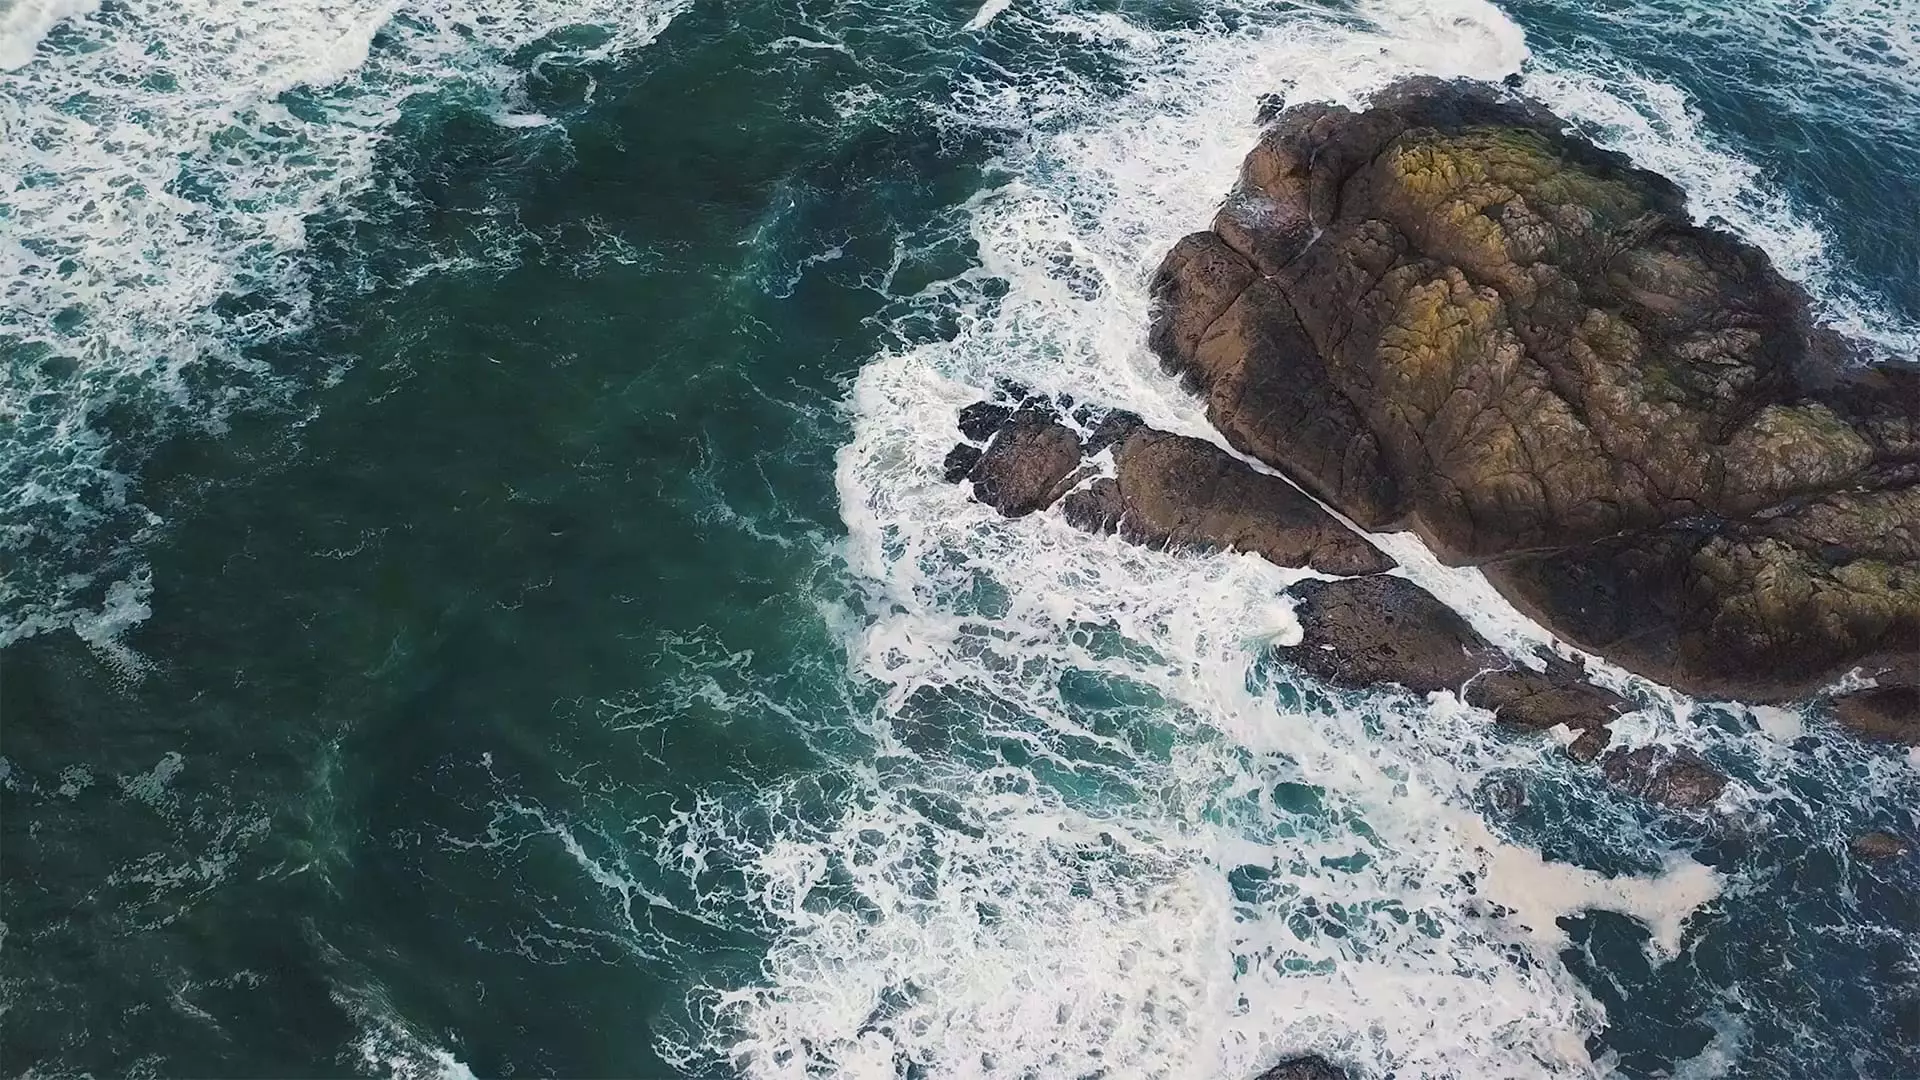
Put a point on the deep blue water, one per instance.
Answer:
(477, 601)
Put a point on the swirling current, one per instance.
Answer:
(476, 596)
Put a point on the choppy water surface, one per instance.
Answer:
(479, 598)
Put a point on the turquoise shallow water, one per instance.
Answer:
(535, 652)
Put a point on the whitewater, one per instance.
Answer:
(1084, 820)
(1160, 903)
(161, 166)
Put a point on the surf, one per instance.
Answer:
(1201, 863)
(161, 172)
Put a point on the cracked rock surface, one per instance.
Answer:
(1446, 313)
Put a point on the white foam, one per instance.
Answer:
(1085, 903)
(1778, 724)
(989, 10)
(159, 156)
(24, 22)
(1540, 892)
(1093, 903)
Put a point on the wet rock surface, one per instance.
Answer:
(1446, 313)
(1173, 491)
(1674, 778)
(1308, 1067)
(1363, 629)
(1384, 629)
(1164, 490)
(1028, 465)
(1877, 846)
(1882, 713)
(1541, 700)
(1360, 632)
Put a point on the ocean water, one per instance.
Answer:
(477, 597)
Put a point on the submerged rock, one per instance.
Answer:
(1675, 778)
(1306, 1067)
(1877, 845)
(1446, 313)
(1882, 713)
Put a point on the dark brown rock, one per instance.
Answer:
(1359, 632)
(1882, 713)
(980, 420)
(1538, 700)
(1877, 845)
(1167, 490)
(959, 462)
(1305, 1067)
(1027, 465)
(1589, 744)
(1674, 778)
(1170, 490)
(1445, 312)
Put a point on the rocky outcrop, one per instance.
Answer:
(1446, 313)
(1383, 629)
(1173, 491)
(1882, 713)
(1361, 632)
(1542, 700)
(1163, 490)
(1678, 779)
(1362, 629)
(1108, 472)
(1307, 1067)
(1029, 464)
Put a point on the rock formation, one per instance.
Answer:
(1672, 778)
(1446, 313)
(1164, 491)
(1361, 632)
(1877, 846)
(1309, 1067)
(1882, 713)
(1367, 628)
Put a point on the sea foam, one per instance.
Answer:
(1147, 849)
(160, 166)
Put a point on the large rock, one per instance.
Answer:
(1446, 313)
(1166, 490)
(1170, 490)
(1673, 778)
(1360, 632)
(1027, 466)
(1882, 713)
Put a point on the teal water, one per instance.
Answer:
(539, 649)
